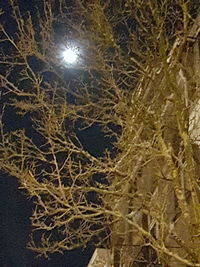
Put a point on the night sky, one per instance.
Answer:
(15, 228)
(15, 208)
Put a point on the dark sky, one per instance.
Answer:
(15, 209)
(15, 228)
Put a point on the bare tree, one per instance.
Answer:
(137, 78)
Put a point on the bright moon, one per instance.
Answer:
(70, 55)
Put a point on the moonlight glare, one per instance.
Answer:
(70, 55)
